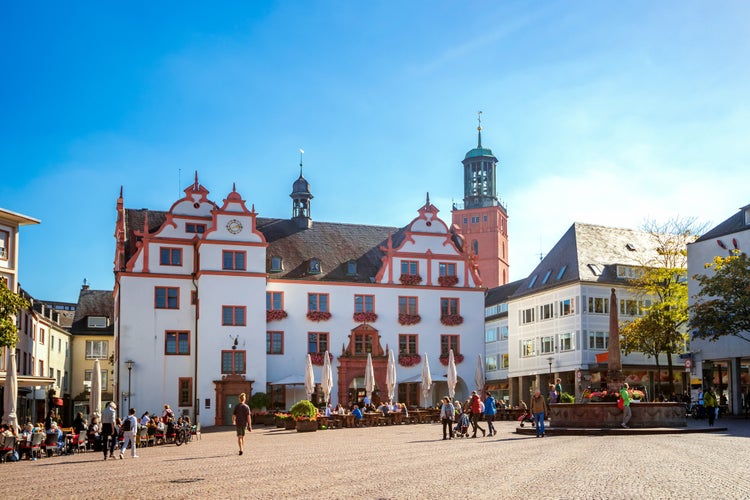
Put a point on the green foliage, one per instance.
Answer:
(304, 408)
(722, 306)
(259, 400)
(10, 304)
(567, 398)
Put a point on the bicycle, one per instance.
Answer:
(182, 434)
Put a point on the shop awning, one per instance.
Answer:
(291, 380)
(418, 378)
(29, 381)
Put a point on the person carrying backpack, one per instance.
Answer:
(129, 428)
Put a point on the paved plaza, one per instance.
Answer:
(408, 461)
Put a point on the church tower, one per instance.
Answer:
(483, 220)
(301, 197)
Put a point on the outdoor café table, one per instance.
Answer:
(422, 416)
(370, 418)
(395, 417)
(346, 420)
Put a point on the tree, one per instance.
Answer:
(722, 306)
(10, 304)
(663, 282)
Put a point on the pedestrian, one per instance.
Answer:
(709, 401)
(538, 408)
(476, 414)
(627, 413)
(447, 413)
(108, 430)
(558, 389)
(490, 409)
(129, 428)
(553, 396)
(241, 421)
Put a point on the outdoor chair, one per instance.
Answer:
(81, 443)
(7, 446)
(36, 444)
(196, 431)
(50, 444)
(143, 437)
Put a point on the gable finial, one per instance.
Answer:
(479, 129)
(195, 184)
(428, 198)
(234, 187)
(120, 191)
(301, 152)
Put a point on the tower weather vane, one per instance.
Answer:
(479, 120)
(301, 152)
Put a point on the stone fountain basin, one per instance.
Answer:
(607, 415)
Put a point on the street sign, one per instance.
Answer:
(688, 364)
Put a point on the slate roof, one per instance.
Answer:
(734, 224)
(501, 293)
(589, 253)
(93, 303)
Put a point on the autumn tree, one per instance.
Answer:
(722, 307)
(10, 304)
(662, 281)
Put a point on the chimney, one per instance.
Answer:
(85, 284)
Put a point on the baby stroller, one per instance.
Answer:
(527, 417)
(462, 426)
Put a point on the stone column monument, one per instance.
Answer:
(615, 377)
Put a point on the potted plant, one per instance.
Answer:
(451, 319)
(409, 319)
(275, 315)
(318, 315)
(318, 358)
(409, 359)
(457, 358)
(365, 317)
(448, 280)
(305, 416)
(410, 279)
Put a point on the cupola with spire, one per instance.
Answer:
(480, 175)
(301, 197)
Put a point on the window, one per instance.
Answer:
(504, 363)
(448, 306)
(59, 345)
(567, 307)
(448, 342)
(599, 305)
(407, 305)
(364, 303)
(546, 276)
(562, 271)
(274, 342)
(351, 268)
(177, 343)
(233, 260)
(475, 219)
(407, 344)
(548, 344)
(195, 228)
(185, 391)
(490, 334)
(566, 341)
(97, 321)
(447, 269)
(491, 363)
(362, 343)
(41, 339)
(595, 269)
(4, 242)
(233, 315)
(314, 266)
(317, 302)
(629, 307)
(466, 220)
(41, 368)
(276, 265)
(59, 377)
(475, 247)
(533, 281)
(546, 311)
(527, 316)
(528, 348)
(170, 256)
(102, 377)
(629, 272)
(317, 342)
(274, 301)
(167, 297)
(504, 332)
(65, 382)
(598, 340)
(484, 218)
(97, 349)
(410, 267)
(232, 362)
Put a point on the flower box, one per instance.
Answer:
(318, 358)
(448, 280)
(451, 319)
(409, 319)
(266, 419)
(289, 424)
(457, 358)
(410, 279)
(306, 425)
(275, 315)
(318, 315)
(365, 317)
(409, 359)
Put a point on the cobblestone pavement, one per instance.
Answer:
(408, 461)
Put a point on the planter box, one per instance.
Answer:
(263, 420)
(289, 424)
(307, 426)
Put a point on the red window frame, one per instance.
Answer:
(235, 320)
(408, 305)
(320, 346)
(450, 305)
(269, 342)
(408, 343)
(315, 304)
(167, 290)
(231, 262)
(448, 342)
(447, 268)
(233, 357)
(185, 391)
(193, 228)
(360, 303)
(271, 299)
(41, 337)
(363, 343)
(170, 256)
(177, 335)
(407, 266)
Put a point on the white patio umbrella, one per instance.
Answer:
(309, 378)
(369, 376)
(11, 389)
(326, 380)
(452, 375)
(95, 398)
(390, 375)
(479, 375)
(426, 378)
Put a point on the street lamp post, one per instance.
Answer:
(549, 360)
(129, 363)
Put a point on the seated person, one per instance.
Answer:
(395, 407)
(145, 419)
(328, 410)
(340, 409)
(93, 434)
(357, 415)
(384, 408)
(55, 430)
(404, 410)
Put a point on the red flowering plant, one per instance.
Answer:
(318, 358)
(410, 279)
(458, 358)
(365, 317)
(275, 315)
(409, 319)
(451, 319)
(448, 280)
(318, 315)
(409, 359)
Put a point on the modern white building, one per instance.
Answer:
(496, 330)
(725, 363)
(212, 300)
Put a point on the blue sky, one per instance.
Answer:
(599, 112)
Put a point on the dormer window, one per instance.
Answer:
(747, 215)
(314, 266)
(276, 265)
(630, 247)
(97, 322)
(351, 268)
